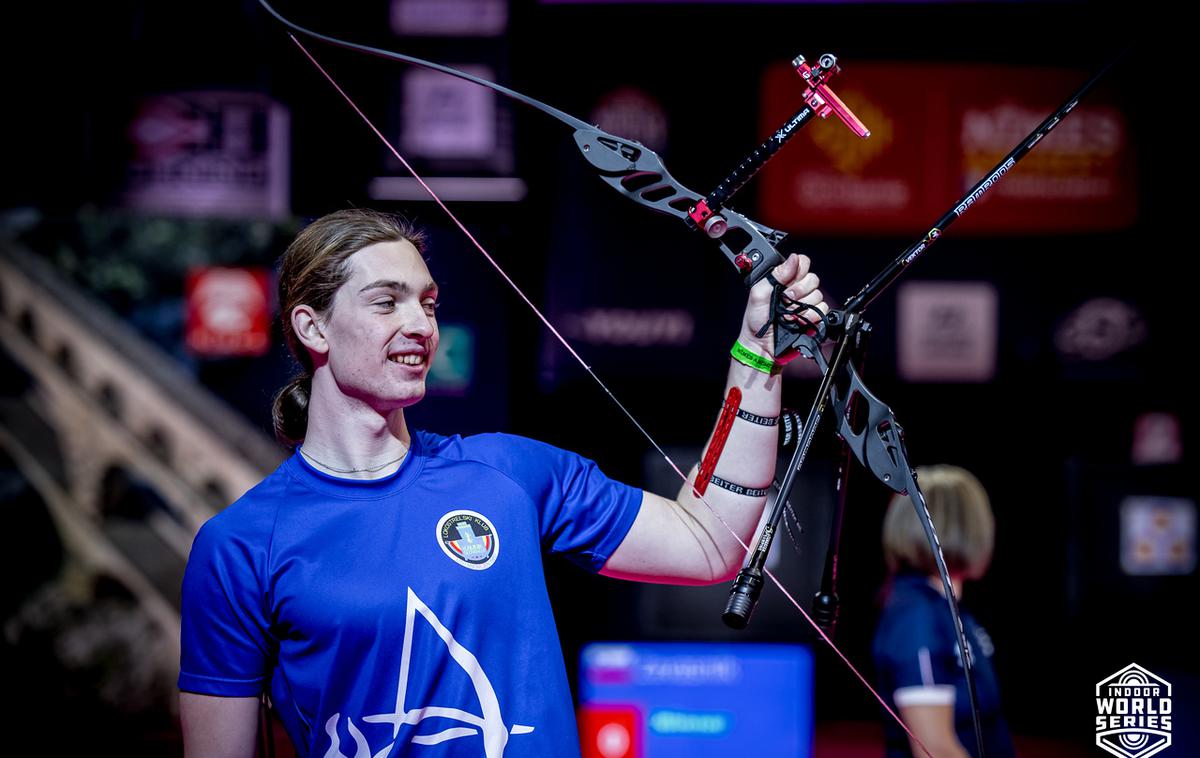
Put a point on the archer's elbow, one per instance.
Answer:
(726, 572)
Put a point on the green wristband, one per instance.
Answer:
(748, 357)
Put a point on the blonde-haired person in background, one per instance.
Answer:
(915, 649)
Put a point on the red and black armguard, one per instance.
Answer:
(728, 413)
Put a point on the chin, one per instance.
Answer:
(411, 396)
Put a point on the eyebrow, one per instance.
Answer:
(400, 287)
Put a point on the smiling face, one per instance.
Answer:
(380, 332)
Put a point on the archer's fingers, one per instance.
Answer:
(802, 287)
(793, 269)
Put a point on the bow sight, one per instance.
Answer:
(638, 173)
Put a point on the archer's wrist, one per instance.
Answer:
(755, 356)
(750, 339)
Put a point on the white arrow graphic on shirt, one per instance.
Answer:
(495, 733)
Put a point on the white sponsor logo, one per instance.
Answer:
(987, 185)
(1133, 713)
(783, 133)
(630, 326)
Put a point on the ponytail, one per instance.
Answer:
(289, 413)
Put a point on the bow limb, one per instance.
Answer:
(566, 118)
(625, 165)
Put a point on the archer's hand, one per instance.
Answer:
(800, 284)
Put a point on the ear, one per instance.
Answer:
(307, 325)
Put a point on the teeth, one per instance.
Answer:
(410, 360)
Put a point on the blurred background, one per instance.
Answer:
(159, 157)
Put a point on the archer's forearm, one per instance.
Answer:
(746, 460)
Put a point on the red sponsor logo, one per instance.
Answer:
(610, 731)
(228, 312)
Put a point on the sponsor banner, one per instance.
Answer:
(448, 118)
(1157, 439)
(634, 114)
(449, 18)
(209, 154)
(947, 331)
(1158, 535)
(228, 312)
(702, 700)
(453, 369)
(935, 132)
(1099, 330)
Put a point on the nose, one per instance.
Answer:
(418, 323)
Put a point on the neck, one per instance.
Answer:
(347, 434)
(956, 582)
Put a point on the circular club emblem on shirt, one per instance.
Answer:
(469, 539)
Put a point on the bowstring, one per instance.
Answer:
(670, 462)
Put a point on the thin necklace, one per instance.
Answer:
(368, 470)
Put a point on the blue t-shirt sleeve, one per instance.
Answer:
(914, 659)
(226, 648)
(582, 513)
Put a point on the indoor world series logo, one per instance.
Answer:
(1133, 708)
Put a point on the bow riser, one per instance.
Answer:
(639, 174)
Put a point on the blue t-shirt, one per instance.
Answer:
(404, 611)
(917, 659)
